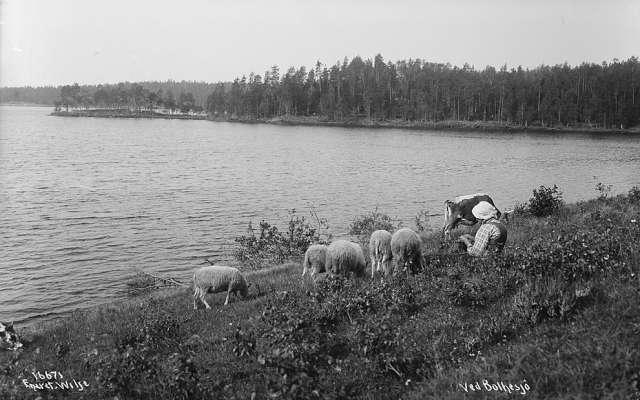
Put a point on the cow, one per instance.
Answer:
(458, 211)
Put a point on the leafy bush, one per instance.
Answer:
(603, 190)
(364, 225)
(477, 290)
(271, 246)
(245, 343)
(520, 208)
(421, 221)
(547, 297)
(545, 201)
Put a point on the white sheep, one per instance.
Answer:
(380, 251)
(406, 248)
(216, 279)
(315, 259)
(344, 257)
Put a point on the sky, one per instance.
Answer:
(45, 42)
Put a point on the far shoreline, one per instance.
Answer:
(355, 122)
(24, 104)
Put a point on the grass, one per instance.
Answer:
(559, 312)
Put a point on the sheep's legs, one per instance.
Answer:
(226, 302)
(205, 302)
(373, 267)
(202, 299)
(199, 294)
(385, 265)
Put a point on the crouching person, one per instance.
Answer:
(491, 236)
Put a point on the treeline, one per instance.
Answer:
(596, 95)
(133, 97)
(45, 95)
(50, 94)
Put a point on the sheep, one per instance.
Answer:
(216, 279)
(380, 251)
(344, 257)
(406, 248)
(315, 259)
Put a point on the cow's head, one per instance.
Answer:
(452, 215)
(8, 335)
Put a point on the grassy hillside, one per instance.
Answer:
(558, 315)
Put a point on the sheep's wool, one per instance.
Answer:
(406, 246)
(380, 251)
(315, 259)
(380, 243)
(344, 257)
(215, 278)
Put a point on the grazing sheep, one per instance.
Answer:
(344, 257)
(8, 337)
(406, 247)
(380, 251)
(315, 259)
(216, 279)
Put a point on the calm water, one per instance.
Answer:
(86, 202)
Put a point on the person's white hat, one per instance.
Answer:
(484, 210)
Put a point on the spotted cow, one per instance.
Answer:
(458, 211)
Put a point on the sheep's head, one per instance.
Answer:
(8, 335)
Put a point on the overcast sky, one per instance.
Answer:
(65, 41)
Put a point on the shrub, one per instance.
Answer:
(364, 225)
(245, 343)
(545, 201)
(478, 290)
(272, 246)
(549, 297)
(520, 209)
(603, 190)
(422, 221)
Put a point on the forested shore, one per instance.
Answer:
(447, 125)
(125, 113)
(375, 92)
(589, 95)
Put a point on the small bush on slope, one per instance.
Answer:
(364, 225)
(545, 201)
(271, 246)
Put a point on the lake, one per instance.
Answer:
(85, 202)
